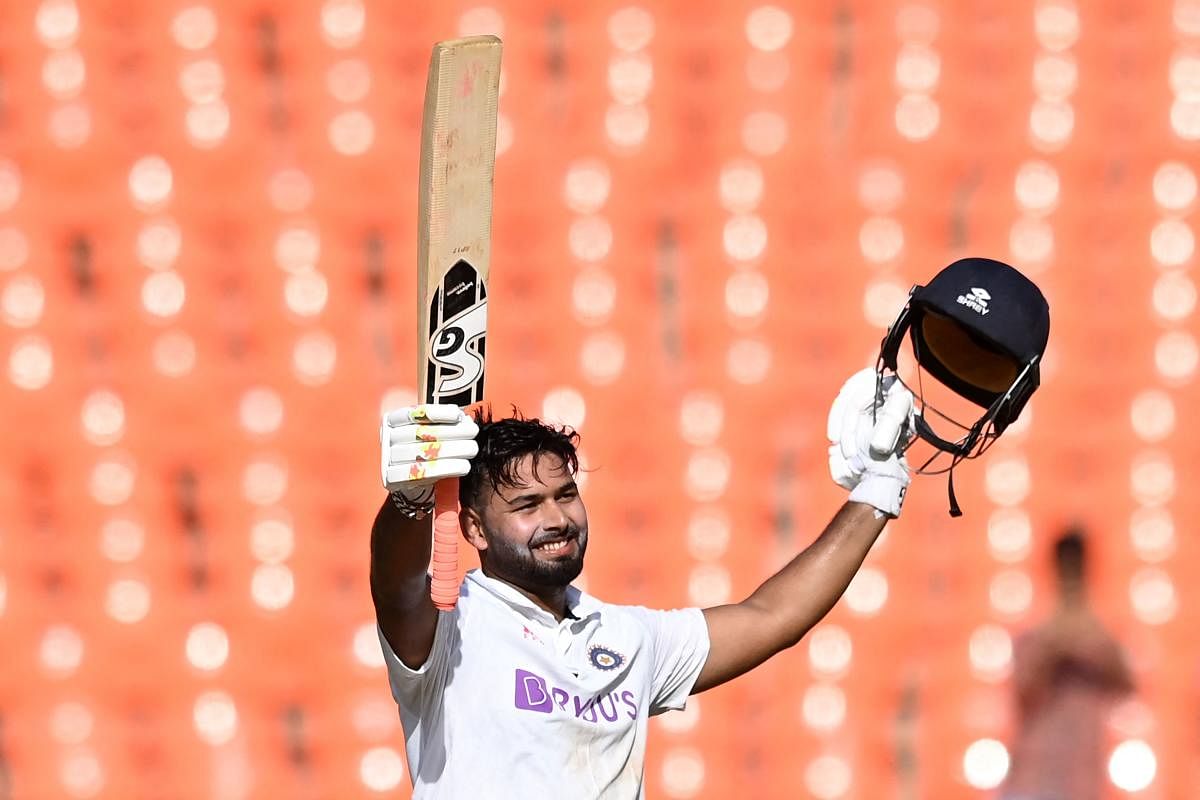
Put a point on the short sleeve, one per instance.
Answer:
(411, 687)
(680, 643)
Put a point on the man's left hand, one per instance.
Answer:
(869, 424)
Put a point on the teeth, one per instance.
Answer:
(552, 546)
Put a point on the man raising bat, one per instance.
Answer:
(530, 685)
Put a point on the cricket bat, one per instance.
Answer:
(454, 229)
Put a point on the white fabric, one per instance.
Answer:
(892, 421)
(859, 422)
(512, 703)
(859, 419)
(884, 487)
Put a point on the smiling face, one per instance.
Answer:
(533, 533)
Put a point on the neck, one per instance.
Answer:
(552, 600)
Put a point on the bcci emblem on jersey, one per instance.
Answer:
(603, 658)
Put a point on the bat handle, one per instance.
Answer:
(444, 589)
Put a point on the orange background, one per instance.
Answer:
(705, 215)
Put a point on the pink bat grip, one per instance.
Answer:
(444, 589)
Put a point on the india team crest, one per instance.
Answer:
(605, 659)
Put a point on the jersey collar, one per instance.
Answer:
(579, 603)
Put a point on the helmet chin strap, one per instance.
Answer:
(959, 451)
(955, 509)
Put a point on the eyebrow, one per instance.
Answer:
(521, 499)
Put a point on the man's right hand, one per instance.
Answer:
(420, 445)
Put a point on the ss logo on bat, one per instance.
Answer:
(455, 348)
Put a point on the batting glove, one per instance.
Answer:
(867, 433)
(420, 445)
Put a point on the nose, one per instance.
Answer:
(553, 517)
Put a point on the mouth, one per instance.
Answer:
(556, 547)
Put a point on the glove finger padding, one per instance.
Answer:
(463, 429)
(860, 418)
(859, 397)
(849, 425)
(856, 394)
(840, 470)
(430, 413)
(420, 445)
(417, 475)
(893, 422)
(431, 451)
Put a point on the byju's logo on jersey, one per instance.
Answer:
(977, 301)
(603, 658)
(535, 693)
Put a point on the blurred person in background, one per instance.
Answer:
(1068, 671)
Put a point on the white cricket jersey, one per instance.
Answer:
(512, 703)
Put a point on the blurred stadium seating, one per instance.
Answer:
(706, 214)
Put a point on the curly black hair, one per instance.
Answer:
(502, 445)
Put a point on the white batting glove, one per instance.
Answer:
(867, 434)
(420, 445)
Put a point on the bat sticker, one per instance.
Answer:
(458, 323)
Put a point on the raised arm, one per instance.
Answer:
(418, 446)
(776, 616)
(779, 613)
(400, 583)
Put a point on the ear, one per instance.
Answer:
(471, 524)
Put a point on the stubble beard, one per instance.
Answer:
(517, 563)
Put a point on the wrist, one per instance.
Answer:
(883, 492)
(414, 503)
